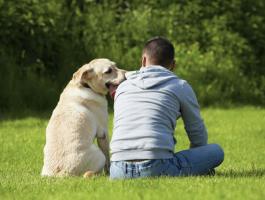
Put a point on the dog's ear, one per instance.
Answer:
(82, 75)
(87, 74)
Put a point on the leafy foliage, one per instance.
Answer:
(220, 45)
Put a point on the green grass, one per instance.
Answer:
(240, 131)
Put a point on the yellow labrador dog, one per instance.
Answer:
(80, 116)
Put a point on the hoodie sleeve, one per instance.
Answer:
(190, 113)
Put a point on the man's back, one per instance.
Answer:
(146, 108)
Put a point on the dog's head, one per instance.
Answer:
(101, 75)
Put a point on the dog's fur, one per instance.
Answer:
(79, 117)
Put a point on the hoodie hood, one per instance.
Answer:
(149, 77)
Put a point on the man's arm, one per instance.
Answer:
(190, 112)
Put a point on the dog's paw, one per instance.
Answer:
(90, 174)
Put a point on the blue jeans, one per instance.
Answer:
(196, 161)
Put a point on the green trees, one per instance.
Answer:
(220, 45)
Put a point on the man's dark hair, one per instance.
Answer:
(160, 51)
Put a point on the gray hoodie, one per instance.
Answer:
(146, 108)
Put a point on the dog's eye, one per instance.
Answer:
(108, 71)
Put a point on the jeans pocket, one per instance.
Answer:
(152, 168)
(162, 167)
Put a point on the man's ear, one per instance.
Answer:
(143, 60)
(82, 75)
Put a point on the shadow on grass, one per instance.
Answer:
(243, 173)
(15, 115)
(21, 114)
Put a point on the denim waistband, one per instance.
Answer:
(141, 164)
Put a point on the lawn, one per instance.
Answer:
(240, 131)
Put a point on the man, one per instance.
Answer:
(146, 107)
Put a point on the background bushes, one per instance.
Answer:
(220, 45)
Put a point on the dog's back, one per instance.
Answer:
(71, 131)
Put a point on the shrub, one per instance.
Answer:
(220, 45)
